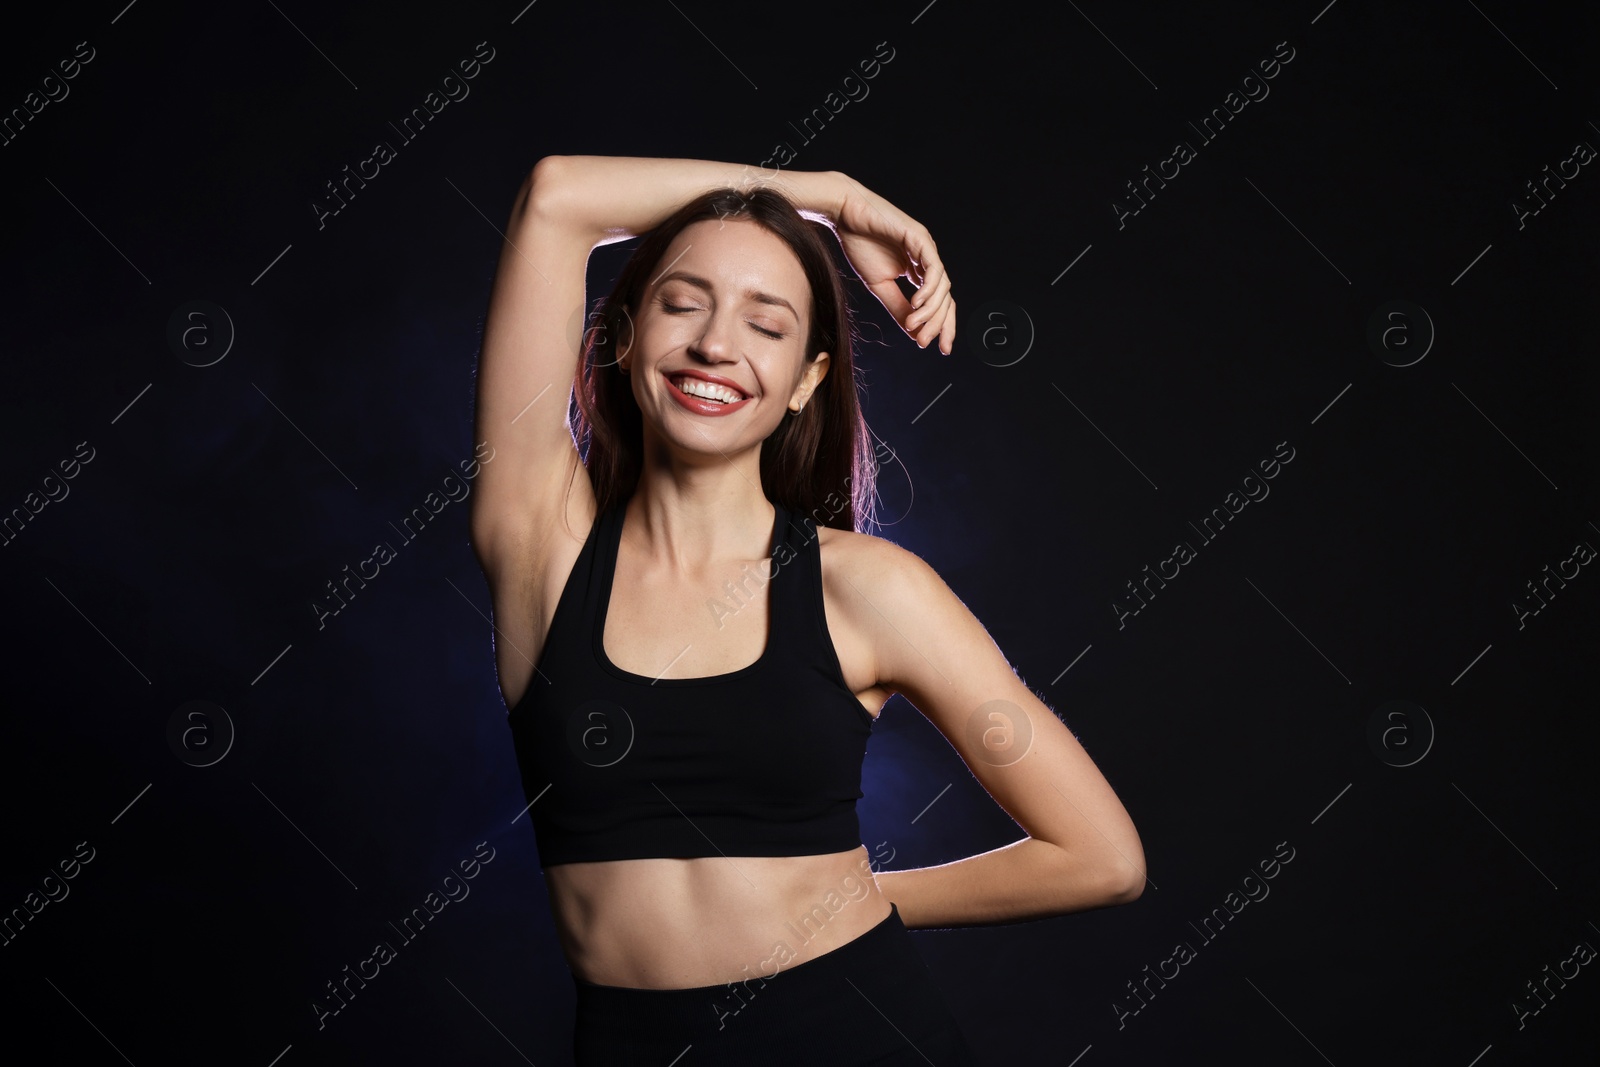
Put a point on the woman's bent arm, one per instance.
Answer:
(1082, 849)
(525, 368)
(613, 198)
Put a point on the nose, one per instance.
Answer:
(715, 341)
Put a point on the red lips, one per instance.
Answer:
(699, 405)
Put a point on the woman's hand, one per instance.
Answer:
(883, 244)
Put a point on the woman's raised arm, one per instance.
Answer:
(617, 197)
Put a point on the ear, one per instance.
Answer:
(812, 377)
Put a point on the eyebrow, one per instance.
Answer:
(753, 294)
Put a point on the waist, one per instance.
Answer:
(674, 924)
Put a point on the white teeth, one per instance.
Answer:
(706, 390)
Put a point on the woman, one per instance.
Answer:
(695, 640)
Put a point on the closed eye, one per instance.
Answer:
(673, 309)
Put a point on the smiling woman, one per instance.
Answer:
(692, 780)
(755, 247)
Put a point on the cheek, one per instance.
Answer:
(780, 372)
(670, 337)
(651, 335)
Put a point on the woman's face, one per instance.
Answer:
(724, 316)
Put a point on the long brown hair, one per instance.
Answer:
(818, 463)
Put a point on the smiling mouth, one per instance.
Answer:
(704, 390)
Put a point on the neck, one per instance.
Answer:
(689, 519)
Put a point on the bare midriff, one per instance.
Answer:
(685, 923)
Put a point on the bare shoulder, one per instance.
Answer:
(878, 596)
(869, 565)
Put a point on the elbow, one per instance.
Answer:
(1128, 889)
(544, 171)
(1103, 879)
(540, 187)
(1125, 878)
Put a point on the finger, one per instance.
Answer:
(930, 272)
(944, 327)
(930, 317)
(928, 332)
(919, 248)
(925, 256)
(930, 294)
(889, 295)
(928, 308)
(947, 332)
(927, 300)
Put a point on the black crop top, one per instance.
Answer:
(761, 761)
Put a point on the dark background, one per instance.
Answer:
(1234, 712)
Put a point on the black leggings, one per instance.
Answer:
(871, 1001)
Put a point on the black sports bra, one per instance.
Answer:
(761, 761)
